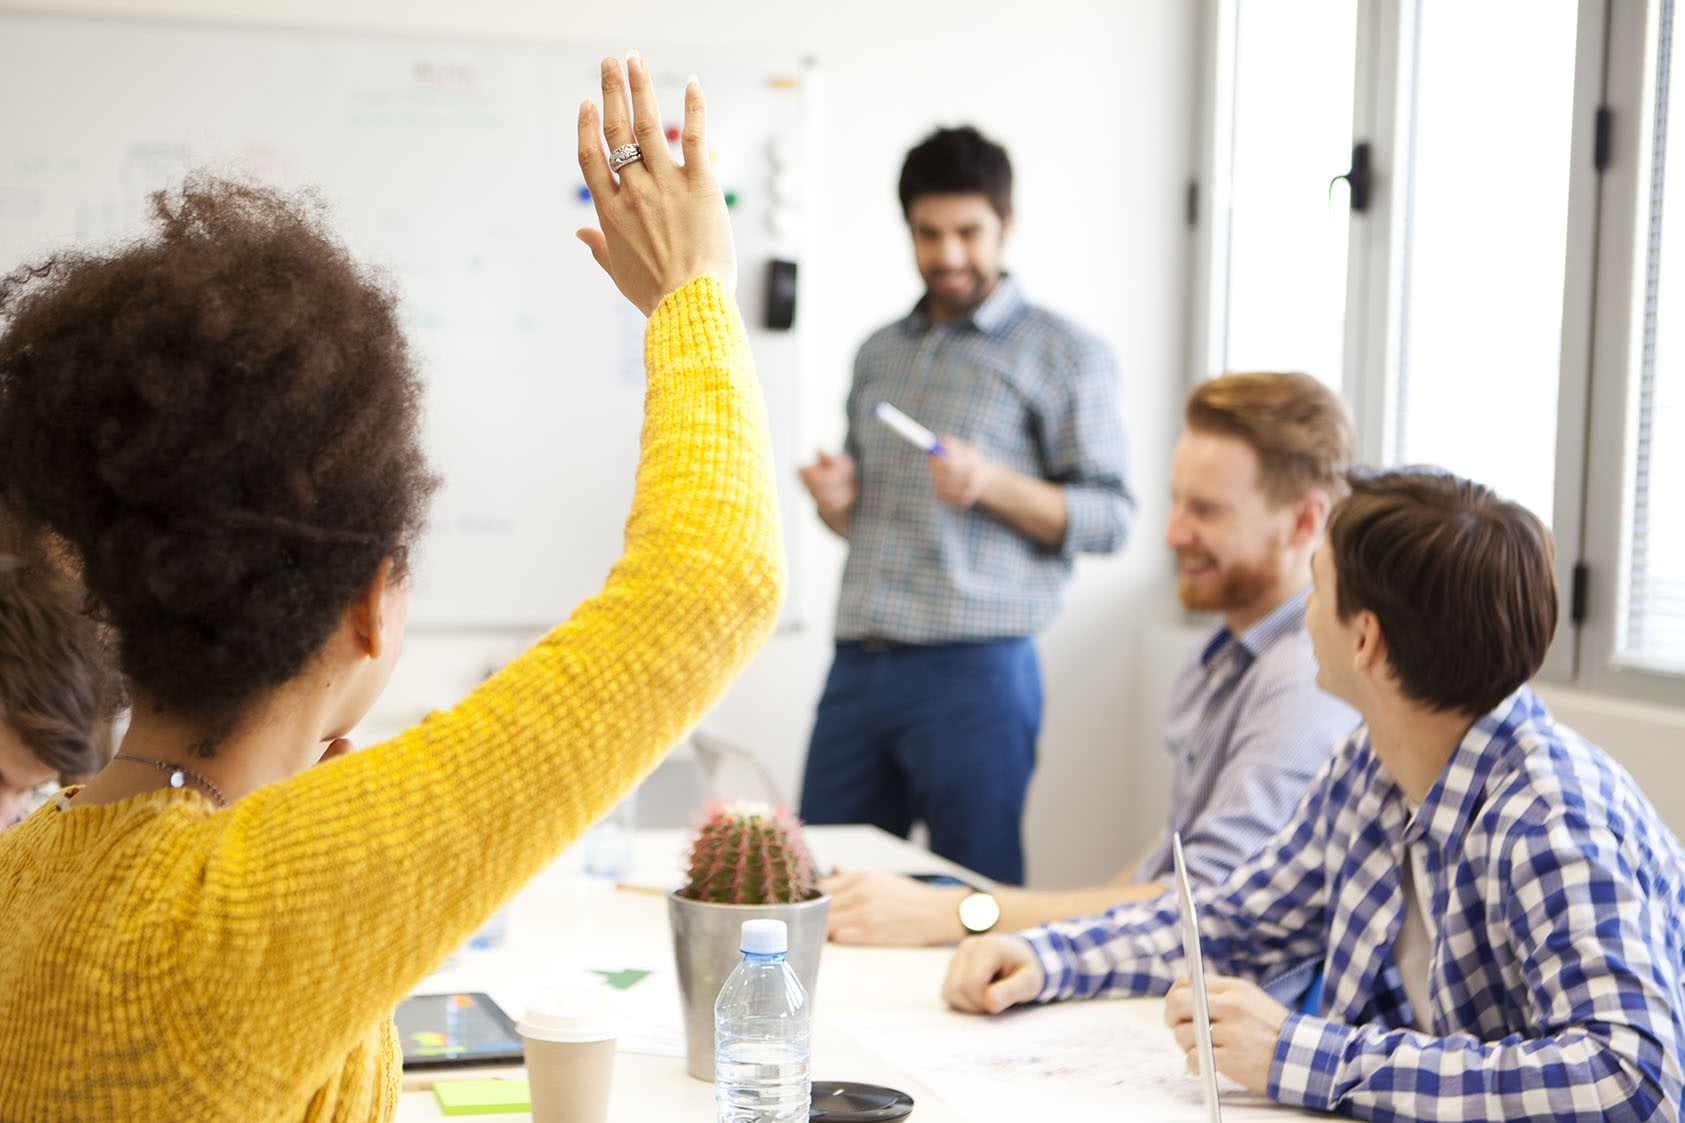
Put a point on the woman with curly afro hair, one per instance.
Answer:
(217, 428)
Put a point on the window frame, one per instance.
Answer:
(1614, 366)
(1595, 369)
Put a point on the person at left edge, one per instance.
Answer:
(956, 559)
(57, 692)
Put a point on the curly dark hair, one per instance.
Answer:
(957, 161)
(221, 422)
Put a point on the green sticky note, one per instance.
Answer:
(622, 980)
(482, 1097)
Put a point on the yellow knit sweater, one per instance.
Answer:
(162, 961)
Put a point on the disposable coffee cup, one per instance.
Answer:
(569, 1040)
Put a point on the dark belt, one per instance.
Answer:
(876, 645)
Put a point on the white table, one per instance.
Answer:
(875, 1008)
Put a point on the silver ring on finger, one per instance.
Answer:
(625, 154)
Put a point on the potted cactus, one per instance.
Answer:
(747, 861)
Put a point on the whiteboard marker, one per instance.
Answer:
(908, 428)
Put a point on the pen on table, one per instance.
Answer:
(632, 887)
(908, 428)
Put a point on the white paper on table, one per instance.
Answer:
(1073, 1060)
(647, 1012)
(652, 1022)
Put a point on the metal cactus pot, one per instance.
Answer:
(705, 939)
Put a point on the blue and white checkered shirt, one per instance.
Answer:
(1557, 953)
(1034, 393)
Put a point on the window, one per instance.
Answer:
(1485, 173)
(1509, 300)
(1285, 255)
(1650, 623)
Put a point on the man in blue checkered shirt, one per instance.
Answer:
(1499, 912)
(958, 553)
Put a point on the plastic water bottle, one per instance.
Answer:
(761, 1028)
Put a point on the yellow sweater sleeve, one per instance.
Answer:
(315, 904)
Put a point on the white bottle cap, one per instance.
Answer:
(765, 937)
(569, 1014)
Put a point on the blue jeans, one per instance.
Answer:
(943, 734)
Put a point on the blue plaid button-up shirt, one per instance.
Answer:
(1557, 932)
(1034, 393)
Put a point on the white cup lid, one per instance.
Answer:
(569, 1014)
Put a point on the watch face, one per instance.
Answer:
(979, 912)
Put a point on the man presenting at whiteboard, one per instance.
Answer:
(960, 541)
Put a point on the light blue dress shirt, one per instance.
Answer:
(1248, 728)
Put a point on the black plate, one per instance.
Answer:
(839, 1101)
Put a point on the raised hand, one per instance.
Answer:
(662, 224)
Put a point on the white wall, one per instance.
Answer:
(1093, 98)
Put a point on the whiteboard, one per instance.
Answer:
(451, 166)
